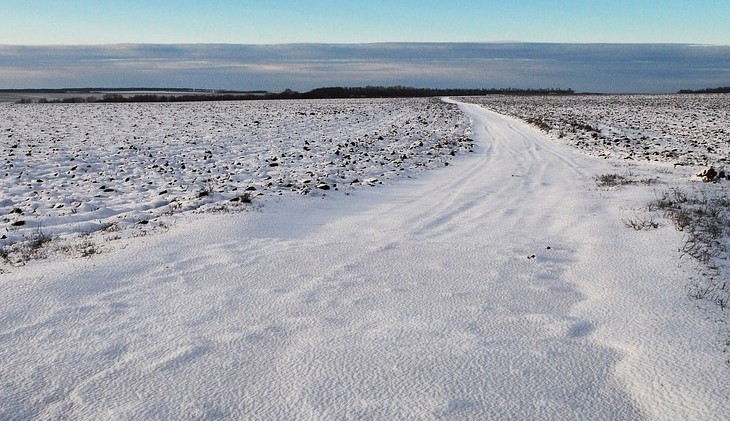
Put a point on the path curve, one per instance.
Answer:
(455, 295)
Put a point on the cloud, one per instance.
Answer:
(583, 67)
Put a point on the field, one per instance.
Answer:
(83, 168)
(366, 259)
(678, 129)
(689, 132)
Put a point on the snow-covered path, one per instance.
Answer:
(503, 286)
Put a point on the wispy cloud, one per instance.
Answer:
(584, 67)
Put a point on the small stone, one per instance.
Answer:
(709, 174)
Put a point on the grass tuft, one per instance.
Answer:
(612, 180)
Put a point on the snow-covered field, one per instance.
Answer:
(689, 132)
(505, 285)
(679, 129)
(78, 169)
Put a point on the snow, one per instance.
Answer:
(502, 286)
(84, 168)
(680, 129)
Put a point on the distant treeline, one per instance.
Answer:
(144, 98)
(720, 90)
(182, 95)
(409, 92)
(103, 90)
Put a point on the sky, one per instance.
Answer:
(602, 46)
(37, 22)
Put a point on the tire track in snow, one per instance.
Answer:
(416, 300)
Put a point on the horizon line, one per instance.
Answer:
(374, 43)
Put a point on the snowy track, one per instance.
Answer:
(500, 287)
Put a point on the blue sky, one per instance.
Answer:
(37, 22)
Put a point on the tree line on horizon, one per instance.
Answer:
(720, 90)
(338, 92)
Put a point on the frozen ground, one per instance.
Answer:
(503, 286)
(71, 169)
(679, 129)
(689, 132)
